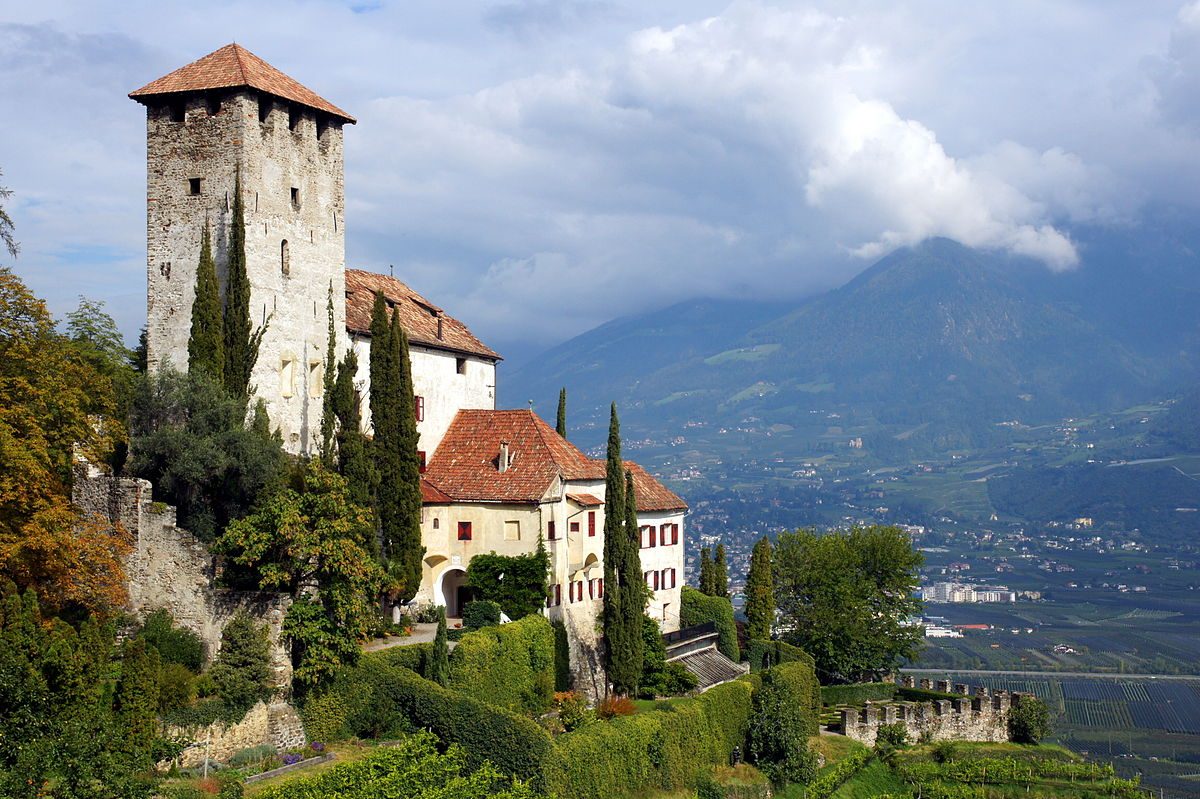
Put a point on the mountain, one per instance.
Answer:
(927, 350)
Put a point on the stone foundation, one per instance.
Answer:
(276, 725)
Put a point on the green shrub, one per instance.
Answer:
(660, 678)
(510, 665)
(923, 694)
(573, 711)
(1028, 720)
(203, 713)
(176, 686)
(784, 718)
(414, 657)
(252, 755)
(765, 654)
(857, 693)
(174, 644)
(634, 755)
(516, 583)
(230, 787)
(891, 736)
(413, 769)
(480, 613)
(378, 700)
(697, 608)
(242, 671)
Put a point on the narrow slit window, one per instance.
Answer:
(295, 198)
(287, 377)
(285, 260)
(315, 378)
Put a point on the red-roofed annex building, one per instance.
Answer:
(495, 480)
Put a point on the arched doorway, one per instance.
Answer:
(452, 591)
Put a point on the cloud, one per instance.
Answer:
(539, 168)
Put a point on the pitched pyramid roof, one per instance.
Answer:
(233, 66)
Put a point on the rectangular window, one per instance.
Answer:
(194, 185)
(574, 527)
(421, 460)
(419, 408)
(295, 199)
(315, 379)
(512, 531)
(591, 523)
(592, 588)
(550, 535)
(287, 377)
(554, 598)
(668, 578)
(577, 591)
(464, 531)
(460, 365)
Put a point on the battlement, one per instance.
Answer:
(977, 715)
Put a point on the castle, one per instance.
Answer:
(494, 480)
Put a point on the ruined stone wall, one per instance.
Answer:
(981, 717)
(276, 725)
(587, 655)
(170, 569)
(291, 164)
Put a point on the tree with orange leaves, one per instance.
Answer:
(53, 402)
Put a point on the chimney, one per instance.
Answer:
(504, 462)
(439, 333)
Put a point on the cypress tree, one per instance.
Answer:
(707, 577)
(206, 344)
(328, 415)
(637, 593)
(561, 424)
(408, 551)
(136, 703)
(354, 463)
(760, 592)
(618, 648)
(385, 392)
(241, 341)
(439, 661)
(720, 573)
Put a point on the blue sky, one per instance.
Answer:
(539, 167)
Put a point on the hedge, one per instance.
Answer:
(858, 693)
(697, 608)
(511, 665)
(479, 614)
(414, 657)
(378, 700)
(663, 749)
(924, 694)
(765, 654)
(798, 682)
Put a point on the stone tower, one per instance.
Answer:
(230, 113)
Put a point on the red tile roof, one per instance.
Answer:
(465, 465)
(233, 66)
(418, 315)
(652, 495)
(431, 495)
(586, 500)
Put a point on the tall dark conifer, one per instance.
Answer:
(241, 339)
(720, 573)
(354, 462)
(385, 450)
(561, 424)
(407, 550)
(329, 380)
(206, 343)
(637, 593)
(619, 650)
(707, 581)
(760, 592)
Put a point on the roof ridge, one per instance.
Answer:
(237, 57)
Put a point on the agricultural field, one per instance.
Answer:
(1143, 726)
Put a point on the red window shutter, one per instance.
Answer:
(421, 460)
(591, 523)
(656, 581)
(550, 531)
(674, 533)
(653, 535)
(579, 589)
(464, 531)
(600, 584)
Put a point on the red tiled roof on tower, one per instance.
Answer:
(425, 323)
(233, 66)
(467, 463)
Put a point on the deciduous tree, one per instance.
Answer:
(6, 224)
(846, 598)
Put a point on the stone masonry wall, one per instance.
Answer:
(170, 569)
(981, 717)
(276, 724)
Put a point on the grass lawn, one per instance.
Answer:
(874, 780)
(833, 747)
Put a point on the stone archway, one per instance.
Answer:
(451, 591)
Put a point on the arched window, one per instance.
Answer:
(285, 261)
